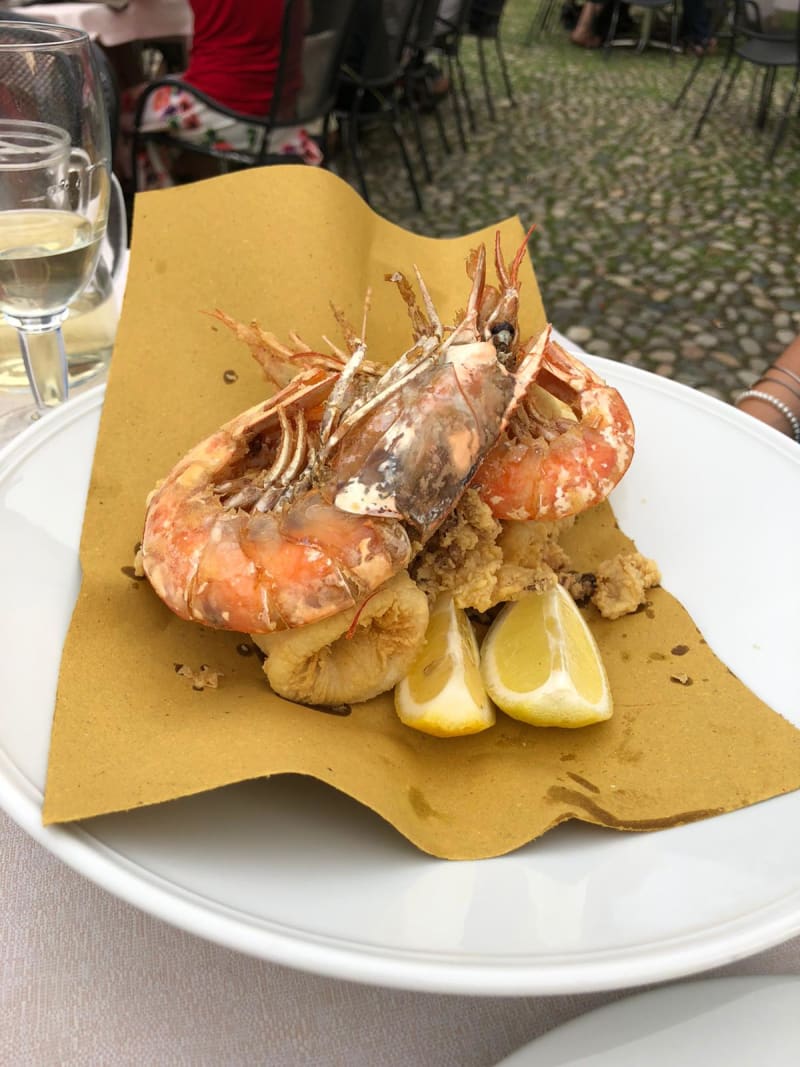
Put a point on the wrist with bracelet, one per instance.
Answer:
(757, 394)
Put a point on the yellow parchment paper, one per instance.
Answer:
(277, 245)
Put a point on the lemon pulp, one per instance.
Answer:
(541, 664)
(443, 693)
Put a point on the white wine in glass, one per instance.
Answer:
(54, 192)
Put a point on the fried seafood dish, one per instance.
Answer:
(327, 519)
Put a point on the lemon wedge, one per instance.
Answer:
(540, 663)
(443, 694)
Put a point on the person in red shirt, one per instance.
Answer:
(236, 49)
(234, 60)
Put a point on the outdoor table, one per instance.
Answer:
(140, 20)
(86, 978)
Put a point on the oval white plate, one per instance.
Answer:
(293, 872)
(744, 1022)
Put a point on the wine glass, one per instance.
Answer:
(55, 181)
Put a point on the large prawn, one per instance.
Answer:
(301, 507)
(549, 463)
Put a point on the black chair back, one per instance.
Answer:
(110, 89)
(747, 23)
(401, 23)
(484, 17)
(425, 25)
(374, 69)
(324, 48)
(450, 31)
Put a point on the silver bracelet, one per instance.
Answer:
(785, 370)
(779, 405)
(767, 377)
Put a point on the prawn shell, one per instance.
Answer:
(174, 540)
(265, 582)
(368, 550)
(412, 458)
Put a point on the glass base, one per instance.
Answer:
(17, 419)
(82, 369)
(18, 411)
(88, 331)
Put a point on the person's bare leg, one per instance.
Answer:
(584, 34)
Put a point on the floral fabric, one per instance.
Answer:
(176, 110)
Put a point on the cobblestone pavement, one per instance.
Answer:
(678, 256)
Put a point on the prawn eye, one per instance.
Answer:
(502, 337)
(501, 327)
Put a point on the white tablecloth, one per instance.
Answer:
(87, 980)
(141, 20)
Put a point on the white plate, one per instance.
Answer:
(293, 872)
(743, 1022)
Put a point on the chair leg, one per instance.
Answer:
(501, 58)
(676, 103)
(647, 29)
(134, 163)
(711, 98)
(552, 10)
(437, 118)
(673, 36)
(784, 117)
(754, 83)
(324, 138)
(733, 75)
(612, 29)
(538, 23)
(766, 97)
(485, 78)
(451, 74)
(354, 145)
(462, 81)
(413, 110)
(394, 123)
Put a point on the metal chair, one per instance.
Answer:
(483, 23)
(323, 53)
(644, 40)
(767, 52)
(544, 18)
(721, 23)
(415, 80)
(374, 95)
(447, 40)
(311, 104)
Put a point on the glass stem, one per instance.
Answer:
(45, 360)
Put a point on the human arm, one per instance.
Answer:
(779, 386)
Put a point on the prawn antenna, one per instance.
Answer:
(367, 305)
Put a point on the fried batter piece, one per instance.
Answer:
(483, 562)
(621, 584)
(352, 656)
